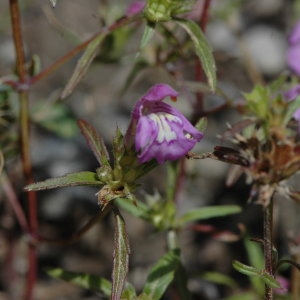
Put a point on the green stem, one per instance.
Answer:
(268, 246)
(24, 141)
(172, 240)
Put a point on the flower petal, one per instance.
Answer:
(159, 130)
(165, 137)
(135, 8)
(159, 92)
(294, 37)
(292, 93)
(293, 58)
(146, 133)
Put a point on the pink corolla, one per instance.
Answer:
(135, 8)
(158, 130)
(293, 53)
(291, 95)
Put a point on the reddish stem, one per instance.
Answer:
(268, 246)
(13, 201)
(24, 141)
(199, 75)
(119, 23)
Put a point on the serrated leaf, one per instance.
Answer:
(83, 64)
(161, 275)
(121, 257)
(202, 48)
(73, 179)
(208, 212)
(90, 282)
(95, 142)
(245, 269)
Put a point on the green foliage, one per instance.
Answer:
(252, 271)
(256, 259)
(90, 282)
(83, 64)
(95, 142)
(74, 179)
(258, 101)
(204, 213)
(121, 256)
(161, 275)
(55, 117)
(202, 48)
(219, 278)
(163, 10)
(147, 34)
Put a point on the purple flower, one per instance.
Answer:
(135, 8)
(158, 130)
(284, 286)
(291, 95)
(293, 53)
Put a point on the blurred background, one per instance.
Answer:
(249, 39)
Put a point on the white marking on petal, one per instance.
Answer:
(188, 136)
(163, 122)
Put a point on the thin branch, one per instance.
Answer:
(24, 140)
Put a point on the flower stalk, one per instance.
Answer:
(268, 245)
(24, 141)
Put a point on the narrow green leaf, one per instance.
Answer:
(129, 292)
(140, 210)
(139, 65)
(161, 275)
(121, 256)
(201, 125)
(245, 269)
(181, 281)
(83, 64)
(95, 142)
(220, 278)
(256, 259)
(208, 212)
(270, 280)
(202, 48)
(73, 179)
(90, 282)
(147, 35)
(144, 297)
(293, 106)
(243, 296)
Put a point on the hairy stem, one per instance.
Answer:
(24, 140)
(268, 246)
